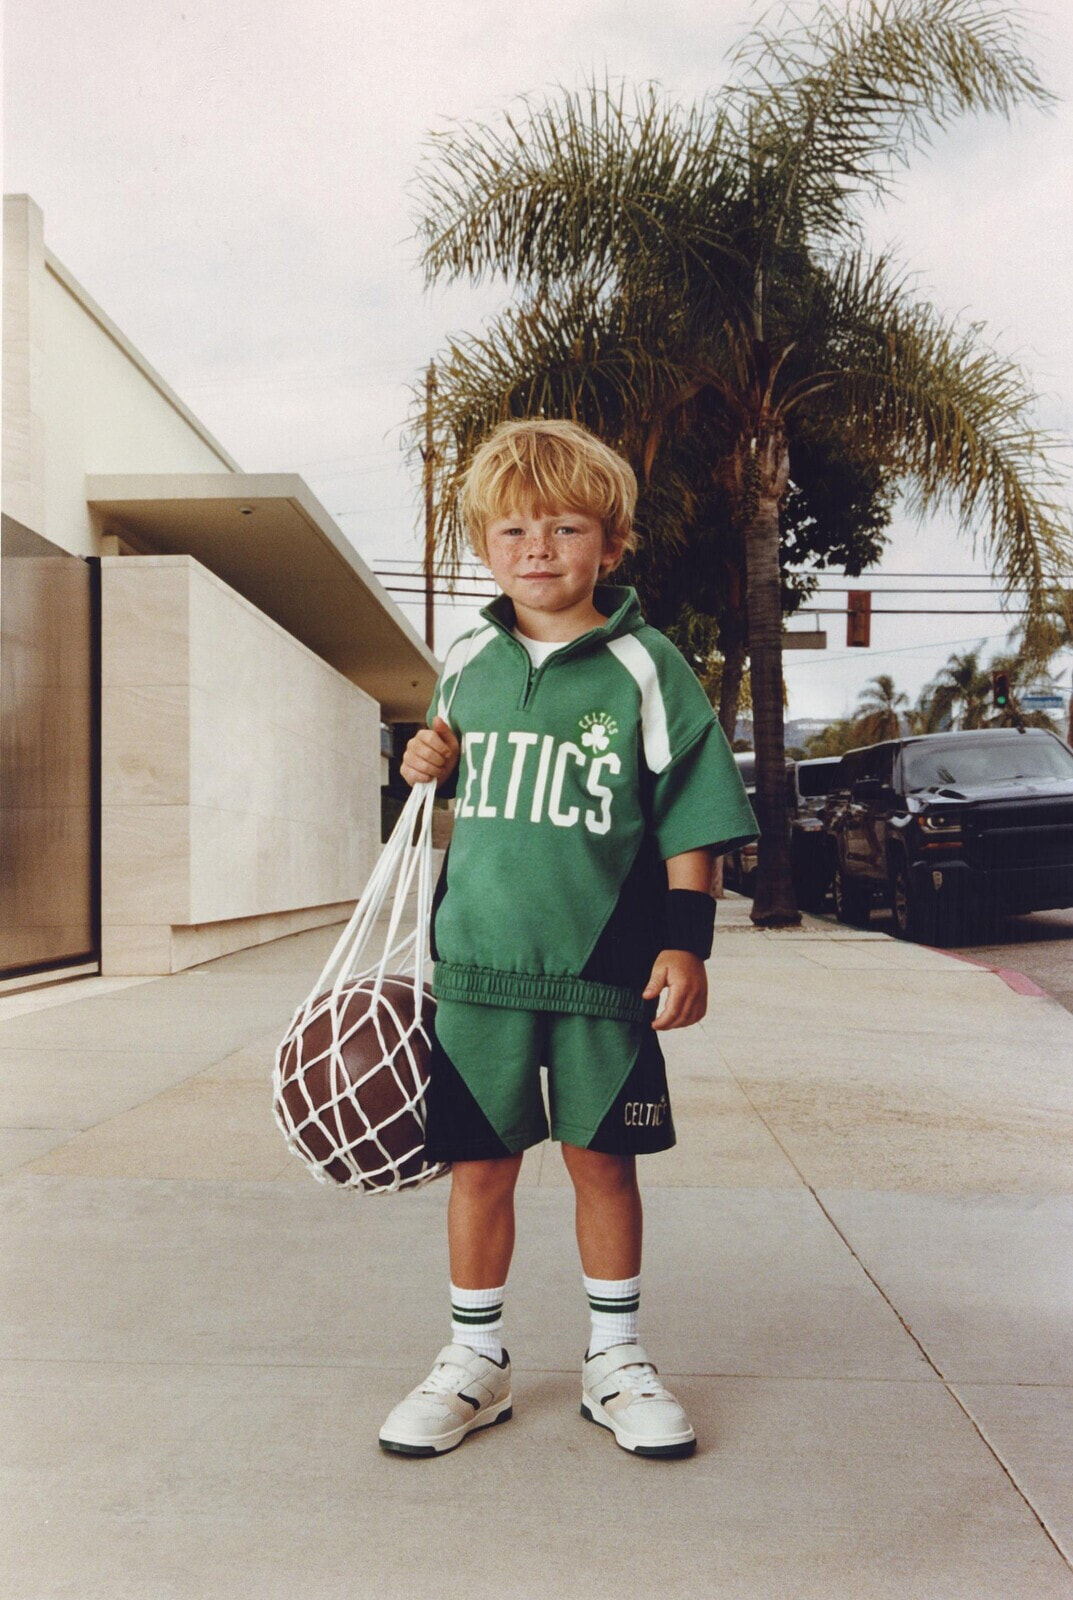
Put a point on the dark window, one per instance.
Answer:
(882, 764)
(815, 778)
(851, 768)
(953, 763)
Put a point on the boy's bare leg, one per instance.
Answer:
(608, 1212)
(438, 1414)
(480, 1221)
(621, 1389)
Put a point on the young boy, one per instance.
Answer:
(593, 785)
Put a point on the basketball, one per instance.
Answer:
(349, 1085)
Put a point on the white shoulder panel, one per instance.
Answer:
(461, 652)
(641, 666)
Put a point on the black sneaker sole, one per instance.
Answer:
(395, 1449)
(665, 1452)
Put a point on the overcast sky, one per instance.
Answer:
(228, 178)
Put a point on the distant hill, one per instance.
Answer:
(798, 731)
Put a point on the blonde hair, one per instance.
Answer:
(540, 467)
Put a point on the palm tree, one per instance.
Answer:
(879, 707)
(1021, 672)
(835, 739)
(959, 696)
(1048, 635)
(704, 273)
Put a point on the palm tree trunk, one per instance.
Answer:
(732, 646)
(773, 904)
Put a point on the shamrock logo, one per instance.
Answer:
(599, 728)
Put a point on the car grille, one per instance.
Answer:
(1018, 835)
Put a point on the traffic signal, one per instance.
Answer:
(859, 618)
(1000, 690)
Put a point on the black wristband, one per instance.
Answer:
(690, 921)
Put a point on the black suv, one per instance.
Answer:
(808, 784)
(739, 867)
(948, 824)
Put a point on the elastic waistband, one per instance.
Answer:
(536, 991)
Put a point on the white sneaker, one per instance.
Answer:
(621, 1390)
(463, 1391)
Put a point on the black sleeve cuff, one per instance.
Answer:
(690, 921)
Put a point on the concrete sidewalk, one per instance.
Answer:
(857, 1278)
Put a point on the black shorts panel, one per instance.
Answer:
(456, 1129)
(639, 1121)
(606, 1083)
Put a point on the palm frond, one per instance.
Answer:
(955, 419)
(556, 354)
(835, 104)
(582, 184)
(1042, 636)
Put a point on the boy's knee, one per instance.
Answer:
(486, 1179)
(597, 1170)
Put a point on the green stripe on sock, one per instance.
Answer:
(615, 1306)
(476, 1319)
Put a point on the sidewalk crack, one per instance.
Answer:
(947, 1384)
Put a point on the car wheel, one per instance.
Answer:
(920, 914)
(913, 919)
(853, 901)
(810, 883)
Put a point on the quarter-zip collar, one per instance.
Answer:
(617, 601)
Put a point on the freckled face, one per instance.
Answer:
(549, 563)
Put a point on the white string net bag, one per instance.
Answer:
(348, 1087)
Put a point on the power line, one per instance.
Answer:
(824, 588)
(794, 658)
(803, 611)
(864, 580)
(476, 594)
(822, 658)
(867, 577)
(909, 611)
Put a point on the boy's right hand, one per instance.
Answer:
(432, 753)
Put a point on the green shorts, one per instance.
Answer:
(606, 1081)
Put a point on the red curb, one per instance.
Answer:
(1019, 982)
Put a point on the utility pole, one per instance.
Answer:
(430, 390)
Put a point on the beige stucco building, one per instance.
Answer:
(195, 664)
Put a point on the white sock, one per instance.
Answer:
(613, 1303)
(477, 1320)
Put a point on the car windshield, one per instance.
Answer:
(815, 781)
(966, 763)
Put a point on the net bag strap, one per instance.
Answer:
(361, 1153)
(406, 857)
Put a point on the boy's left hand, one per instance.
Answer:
(684, 976)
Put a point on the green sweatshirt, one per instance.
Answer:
(577, 780)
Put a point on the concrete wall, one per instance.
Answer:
(78, 397)
(24, 363)
(240, 773)
(47, 731)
